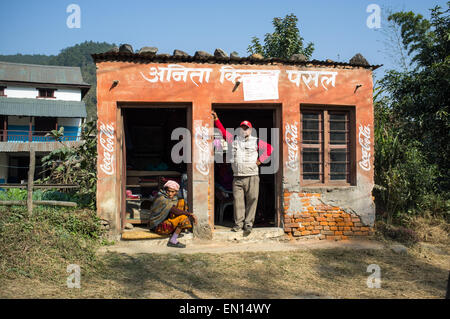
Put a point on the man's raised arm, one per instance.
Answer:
(225, 134)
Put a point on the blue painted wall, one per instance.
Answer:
(71, 133)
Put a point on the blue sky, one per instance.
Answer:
(337, 28)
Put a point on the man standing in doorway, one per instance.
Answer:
(245, 162)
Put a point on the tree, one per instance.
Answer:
(412, 123)
(283, 42)
(427, 41)
(403, 176)
(420, 97)
(392, 43)
(27, 58)
(75, 165)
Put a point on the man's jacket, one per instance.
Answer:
(245, 152)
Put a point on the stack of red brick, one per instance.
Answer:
(324, 221)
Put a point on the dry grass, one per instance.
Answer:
(432, 230)
(42, 245)
(35, 252)
(314, 273)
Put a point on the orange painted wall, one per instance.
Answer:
(133, 88)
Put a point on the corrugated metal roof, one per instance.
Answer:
(34, 73)
(163, 58)
(42, 107)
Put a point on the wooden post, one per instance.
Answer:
(31, 180)
(30, 130)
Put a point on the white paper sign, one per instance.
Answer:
(260, 87)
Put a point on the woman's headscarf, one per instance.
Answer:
(172, 184)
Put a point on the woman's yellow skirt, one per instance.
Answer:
(169, 225)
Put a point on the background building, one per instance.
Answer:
(34, 100)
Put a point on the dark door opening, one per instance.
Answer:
(18, 168)
(3, 128)
(19, 165)
(43, 125)
(147, 133)
(266, 212)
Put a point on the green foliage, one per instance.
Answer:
(27, 58)
(17, 194)
(283, 42)
(419, 98)
(412, 123)
(13, 194)
(75, 165)
(402, 173)
(427, 41)
(38, 194)
(21, 194)
(56, 134)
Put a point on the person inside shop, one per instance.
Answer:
(245, 162)
(166, 218)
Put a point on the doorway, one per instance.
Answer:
(268, 208)
(147, 161)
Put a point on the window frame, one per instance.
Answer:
(39, 96)
(325, 147)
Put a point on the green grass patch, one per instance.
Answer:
(42, 245)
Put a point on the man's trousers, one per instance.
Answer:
(245, 193)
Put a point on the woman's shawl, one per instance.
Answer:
(160, 208)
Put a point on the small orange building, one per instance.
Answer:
(155, 123)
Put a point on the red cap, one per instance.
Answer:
(246, 123)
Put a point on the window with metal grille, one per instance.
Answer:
(326, 147)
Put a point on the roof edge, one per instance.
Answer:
(163, 58)
(75, 85)
(42, 65)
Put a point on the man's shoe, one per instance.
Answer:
(177, 245)
(247, 231)
(235, 229)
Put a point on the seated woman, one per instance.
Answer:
(165, 218)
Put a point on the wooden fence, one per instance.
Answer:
(30, 186)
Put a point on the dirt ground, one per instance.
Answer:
(223, 247)
(316, 269)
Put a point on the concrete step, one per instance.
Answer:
(257, 234)
(221, 235)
